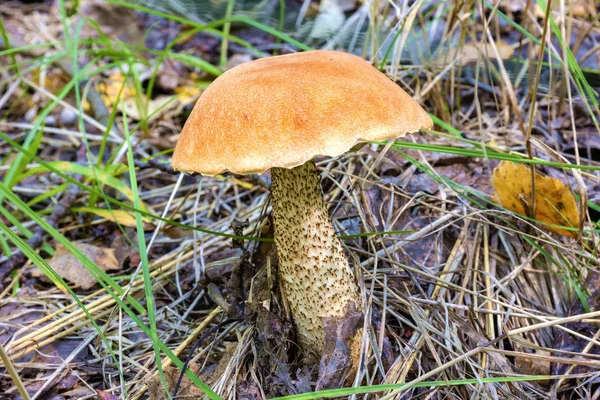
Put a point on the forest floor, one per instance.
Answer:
(477, 282)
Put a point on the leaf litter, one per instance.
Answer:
(458, 275)
(71, 269)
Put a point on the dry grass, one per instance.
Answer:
(468, 301)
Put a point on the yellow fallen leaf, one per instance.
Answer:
(110, 88)
(69, 268)
(54, 81)
(188, 94)
(120, 217)
(554, 202)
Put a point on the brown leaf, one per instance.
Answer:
(238, 59)
(564, 341)
(573, 8)
(70, 268)
(186, 390)
(78, 392)
(338, 362)
(115, 21)
(126, 255)
(170, 75)
(554, 202)
(106, 396)
(248, 390)
(177, 232)
(533, 366)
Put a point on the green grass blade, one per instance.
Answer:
(100, 275)
(329, 394)
(125, 206)
(216, 24)
(38, 261)
(150, 306)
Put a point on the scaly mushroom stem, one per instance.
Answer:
(313, 268)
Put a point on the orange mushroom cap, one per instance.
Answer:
(283, 111)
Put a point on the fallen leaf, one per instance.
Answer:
(186, 389)
(238, 59)
(70, 268)
(106, 396)
(120, 217)
(329, 20)
(565, 343)
(573, 8)
(187, 94)
(110, 89)
(473, 52)
(54, 80)
(106, 176)
(534, 366)
(170, 75)
(249, 390)
(339, 359)
(70, 380)
(554, 202)
(115, 21)
(155, 108)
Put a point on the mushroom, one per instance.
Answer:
(279, 113)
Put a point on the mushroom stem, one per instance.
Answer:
(313, 269)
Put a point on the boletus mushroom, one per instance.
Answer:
(277, 114)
